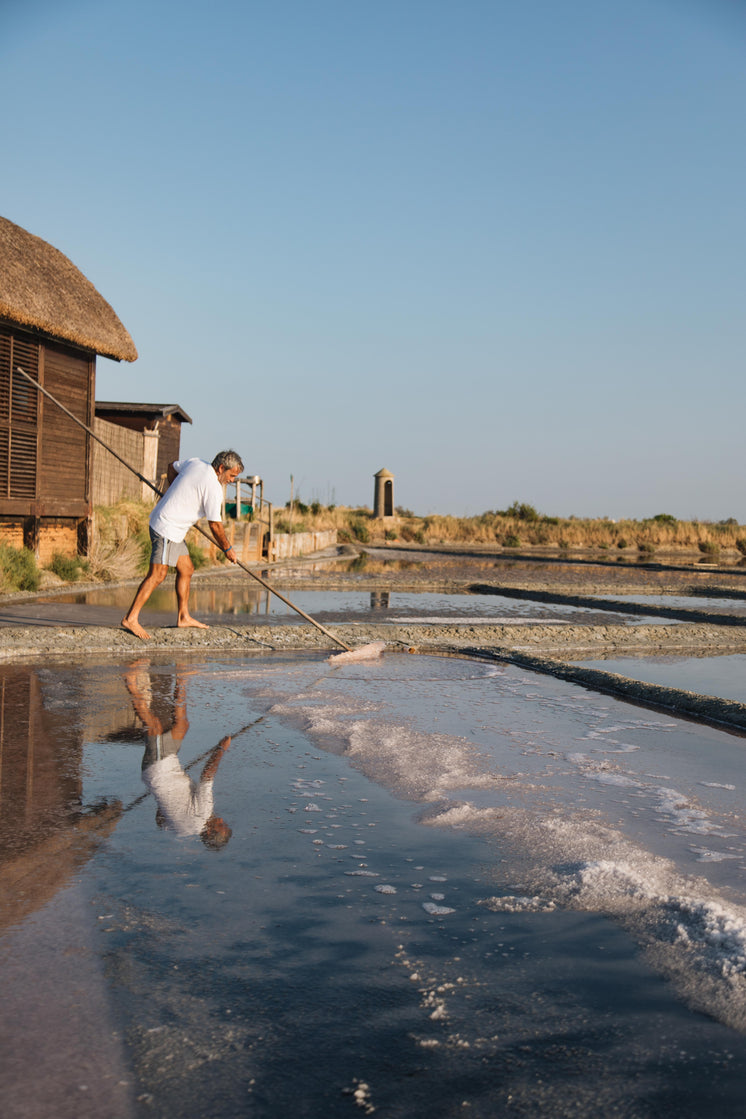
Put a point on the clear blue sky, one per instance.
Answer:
(497, 247)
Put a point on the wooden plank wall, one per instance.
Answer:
(64, 464)
(168, 447)
(112, 482)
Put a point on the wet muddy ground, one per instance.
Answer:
(478, 882)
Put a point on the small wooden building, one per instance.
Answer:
(160, 426)
(53, 323)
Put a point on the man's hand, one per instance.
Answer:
(222, 541)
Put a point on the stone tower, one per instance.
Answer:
(383, 496)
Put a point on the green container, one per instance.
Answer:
(230, 509)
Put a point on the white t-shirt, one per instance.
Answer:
(186, 807)
(194, 493)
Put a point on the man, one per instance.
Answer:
(184, 806)
(195, 490)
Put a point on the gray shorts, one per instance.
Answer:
(159, 746)
(166, 551)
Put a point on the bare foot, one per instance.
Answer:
(136, 628)
(183, 623)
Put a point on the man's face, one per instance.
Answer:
(226, 476)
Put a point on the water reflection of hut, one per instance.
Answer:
(45, 832)
(53, 323)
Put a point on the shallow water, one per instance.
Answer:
(722, 675)
(449, 887)
(707, 603)
(381, 606)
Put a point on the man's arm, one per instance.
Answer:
(222, 540)
(215, 758)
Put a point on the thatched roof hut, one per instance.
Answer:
(53, 324)
(41, 289)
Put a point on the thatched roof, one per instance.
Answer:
(42, 289)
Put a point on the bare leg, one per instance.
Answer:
(184, 572)
(156, 574)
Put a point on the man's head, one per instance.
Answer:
(216, 833)
(227, 465)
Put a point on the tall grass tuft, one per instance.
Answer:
(114, 561)
(18, 569)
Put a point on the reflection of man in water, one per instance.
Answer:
(184, 806)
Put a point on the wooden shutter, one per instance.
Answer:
(64, 462)
(24, 397)
(19, 408)
(5, 353)
(22, 464)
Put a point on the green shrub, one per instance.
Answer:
(709, 547)
(68, 568)
(741, 545)
(391, 534)
(521, 511)
(512, 541)
(360, 531)
(622, 543)
(18, 569)
(664, 519)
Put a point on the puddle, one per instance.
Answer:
(721, 675)
(439, 887)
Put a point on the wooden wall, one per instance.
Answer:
(168, 448)
(64, 466)
(44, 455)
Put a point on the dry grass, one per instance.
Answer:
(114, 561)
(120, 544)
(662, 533)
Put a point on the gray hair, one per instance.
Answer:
(229, 459)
